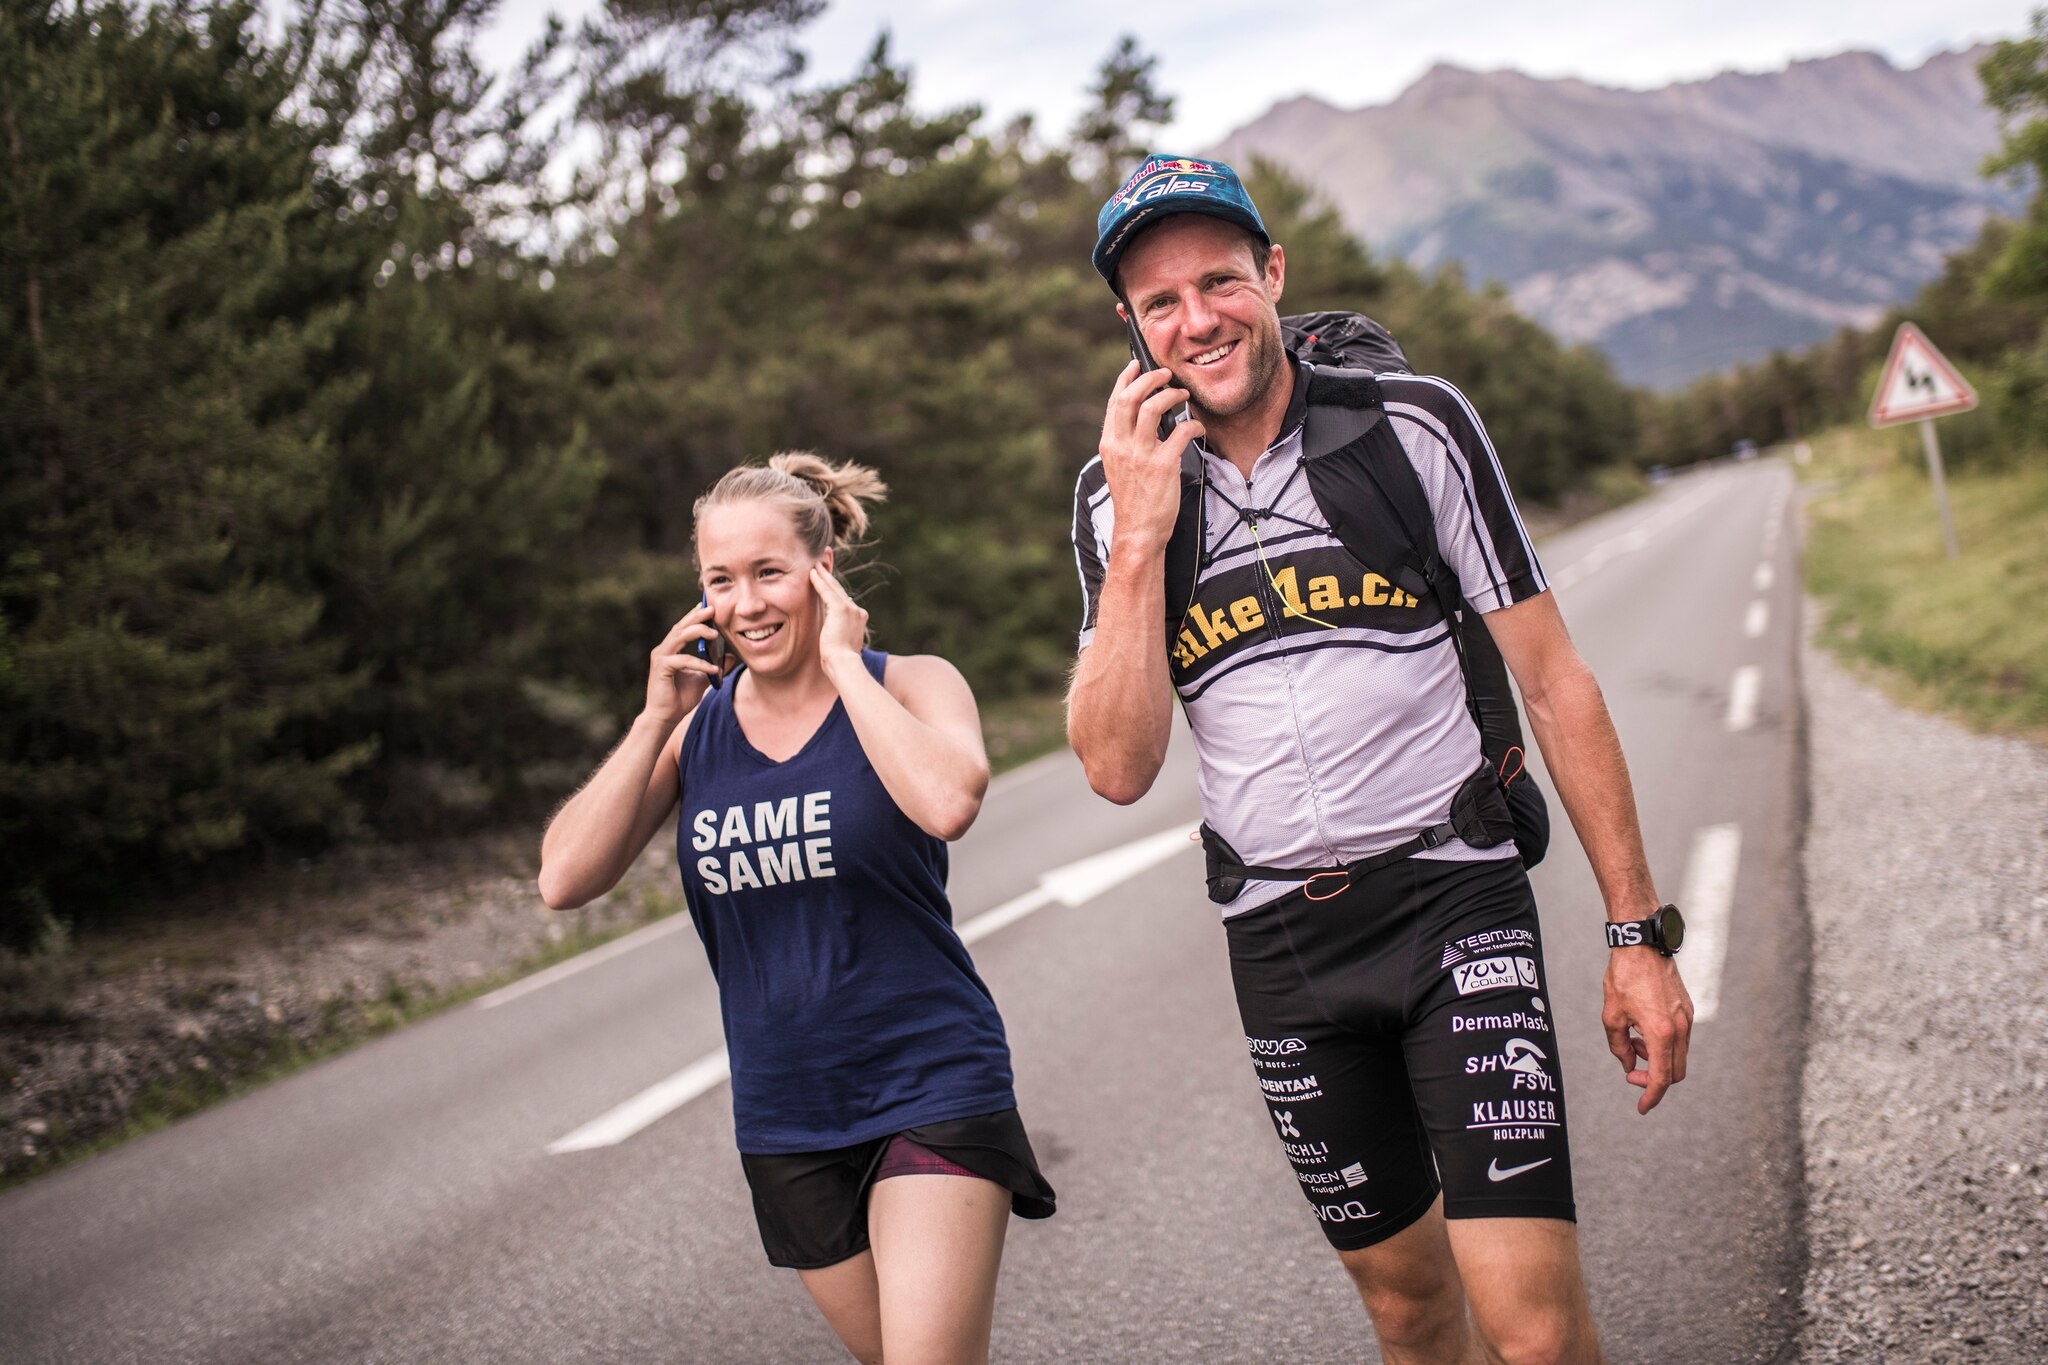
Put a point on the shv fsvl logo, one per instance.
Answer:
(1494, 973)
(1522, 1060)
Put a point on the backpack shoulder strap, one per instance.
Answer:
(1357, 467)
(1185, 548)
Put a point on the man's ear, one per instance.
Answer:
(1123, 313)
(1276, 272)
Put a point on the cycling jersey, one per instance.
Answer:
(1327, 706)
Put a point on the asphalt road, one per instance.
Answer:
(402, 1203)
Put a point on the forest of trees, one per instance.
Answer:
(353, 398)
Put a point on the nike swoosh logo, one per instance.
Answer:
(1494, 1172)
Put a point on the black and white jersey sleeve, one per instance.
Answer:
(1094, 517)
(1478, 530)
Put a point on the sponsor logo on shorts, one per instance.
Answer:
(1350, 1211)
(1492, 940)
(1496, 1174)
(1523, 1062)
(1494, 974)
(1292, 1087)
(1513, 1113)
(1272, 1054)
(1333, 1182)
(1521, 1135)
(1284, 1118)
(1516, 1022)
(1303, 1153)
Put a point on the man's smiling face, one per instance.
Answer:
(1208, 312)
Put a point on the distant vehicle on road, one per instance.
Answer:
(1745, 449)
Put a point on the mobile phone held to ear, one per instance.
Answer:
(712, 651)
(1143, 355)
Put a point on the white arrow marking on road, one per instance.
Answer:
(1742, 694)
(1759, 616)
(662, 1098)
(1075, 884)
(1764, 574)
(1706, 898)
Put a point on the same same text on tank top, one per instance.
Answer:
(788, 839)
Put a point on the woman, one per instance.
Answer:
(818, 781)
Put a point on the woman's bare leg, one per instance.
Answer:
(937, 1245)
(851, 1301)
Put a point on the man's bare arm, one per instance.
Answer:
(1647, 1013)
(1120, 706)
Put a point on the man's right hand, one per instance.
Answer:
(1144, 471)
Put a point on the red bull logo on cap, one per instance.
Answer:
(1146, 181)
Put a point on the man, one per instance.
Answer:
(1394, 1012)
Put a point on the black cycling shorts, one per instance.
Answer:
(1401, 1037)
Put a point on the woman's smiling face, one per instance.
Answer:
(756, 575)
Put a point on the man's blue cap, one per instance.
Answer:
(1165, 185)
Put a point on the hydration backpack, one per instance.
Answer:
(1375, 505)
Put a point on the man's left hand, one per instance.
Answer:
(1648, 1017)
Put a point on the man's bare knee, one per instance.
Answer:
(1537, 1336)
(1413, 1300)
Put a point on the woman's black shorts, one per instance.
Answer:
(812, 1207)
(1401, 1038)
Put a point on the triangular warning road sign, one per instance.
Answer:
(1918, 382)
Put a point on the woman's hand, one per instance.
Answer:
(676, 678)
(845, 628)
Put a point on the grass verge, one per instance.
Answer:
(1963, 636)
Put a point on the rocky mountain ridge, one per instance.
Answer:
(1680, 229)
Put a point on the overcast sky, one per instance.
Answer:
(1227, 61)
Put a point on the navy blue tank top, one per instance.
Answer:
(852, 1010)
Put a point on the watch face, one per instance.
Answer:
(1671, 928)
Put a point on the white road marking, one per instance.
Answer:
(1006, 914)
(1705, 899)
(1759, 617)
(1764, 575)
(1636, 537)
(1075, 884)
(639, 938)
(1742, 695)
(657, 1101)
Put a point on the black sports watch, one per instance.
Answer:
(1664, 931)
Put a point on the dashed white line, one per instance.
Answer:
(1764, 575)
(1757, 618)
(1742, 694)
(1706, 897)
(1623, 542)
(1075, 884)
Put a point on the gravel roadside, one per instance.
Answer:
(1926, 1082)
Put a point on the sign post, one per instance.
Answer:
(1919, 385)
